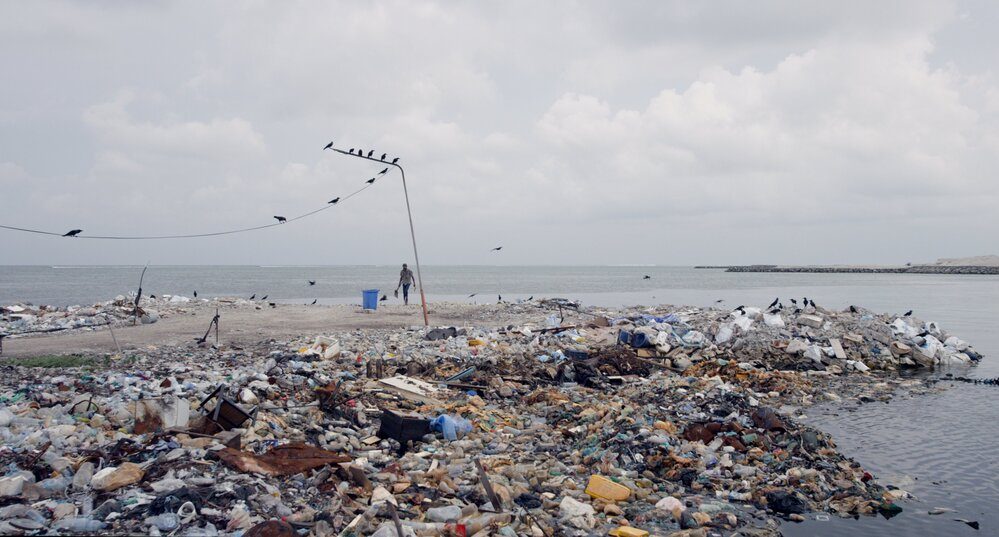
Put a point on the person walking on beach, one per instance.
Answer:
(405, 281)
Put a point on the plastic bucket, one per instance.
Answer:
(370, 299)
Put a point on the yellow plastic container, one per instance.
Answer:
(601, 487)
(628, 531)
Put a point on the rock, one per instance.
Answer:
(577, 514)
(813, 321)
(670, 505)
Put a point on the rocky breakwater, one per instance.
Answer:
(666, 421)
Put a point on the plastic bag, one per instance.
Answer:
(451, 426)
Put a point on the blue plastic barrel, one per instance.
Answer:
(370, 299)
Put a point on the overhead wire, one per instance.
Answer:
(197, 235)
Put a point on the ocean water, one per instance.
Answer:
(941, 448)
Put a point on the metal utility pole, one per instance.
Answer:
(412, 232)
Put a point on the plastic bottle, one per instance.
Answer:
(79, 524)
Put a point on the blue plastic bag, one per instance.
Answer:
(451, 426)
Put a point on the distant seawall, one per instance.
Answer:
(915, 269)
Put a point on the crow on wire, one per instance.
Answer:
(383, 172)
(312, 282)
(396, 159)
(333, 201)
(370, 153)
(328, 146)
(371, 181)
(73, 233)
(351, 151)
(384, 155)
(281, 219)
(496, 249)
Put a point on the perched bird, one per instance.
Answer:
(263, 297)
(312, 282)
(471, 295)
(794, 301)
(195, 294)
(281, 219)
(774, 303)
(152, 297)
(73, 233)
(740, 308)
(371, 181)
(333, 201)
(328, 146)
(396, 159)
(383, 172)
(908, 314)
(314, 301)
(530, 298)
(383, 298)
(496, 249)
(254, 295)
(646, 277)
(271, 304)
(804, 302)
(812, 303)
(853, 309)
(384, 155)
(499, 298)
(351, 151)
(371, 153)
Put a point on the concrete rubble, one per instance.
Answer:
(671, 421)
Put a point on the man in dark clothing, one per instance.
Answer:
(405, 281)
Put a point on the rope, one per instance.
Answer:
(197, 235)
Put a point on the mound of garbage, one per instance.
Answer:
(676, 421)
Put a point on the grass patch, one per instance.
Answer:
(55, 360)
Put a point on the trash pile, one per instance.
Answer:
(629, 423)
(22, 318)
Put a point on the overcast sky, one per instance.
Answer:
(567, 132)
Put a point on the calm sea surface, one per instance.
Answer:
(942, 448)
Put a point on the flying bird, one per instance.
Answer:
(73, 233)
(774, 303)
(263, 297)
(254, 295)
(908, 314)
(333, 201)
(314, 301)
(383, 298)
(384, 155)
(646, 277)
(383, 172)
(281, 219)
(496, 249)
(370, 153)
(719, 301)
(396, 159)
(471, 295)
(312, 282)
(328, 146)
(371, 181)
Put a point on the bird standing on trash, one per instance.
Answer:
(195, 294)
(73, 233)
(281, 219)
(328, 146)
(908, 314)
(774, 303)
(383, 298)
(333, 201)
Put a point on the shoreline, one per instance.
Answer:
(915, 269)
